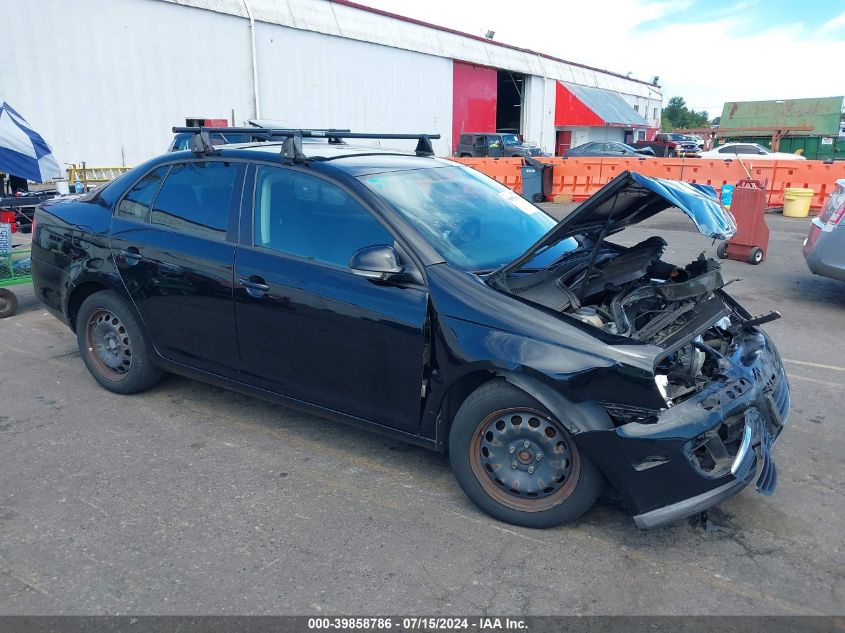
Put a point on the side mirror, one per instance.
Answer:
(377, 262)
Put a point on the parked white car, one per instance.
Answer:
(748, 151)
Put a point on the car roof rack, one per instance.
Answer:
(292, 138)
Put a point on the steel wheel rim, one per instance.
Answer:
(109, 345)
(524, 459)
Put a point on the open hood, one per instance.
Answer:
(631, 198)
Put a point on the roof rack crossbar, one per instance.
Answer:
(424, 147)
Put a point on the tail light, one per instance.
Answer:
(834, 208)
(837, 215)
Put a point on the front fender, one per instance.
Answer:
(576, 418)
(579, 376)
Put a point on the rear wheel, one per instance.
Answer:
(8, 303)
(722, 250)
(112, 344)
(517, 462)
(755, 256)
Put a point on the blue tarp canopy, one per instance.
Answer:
(23, 151)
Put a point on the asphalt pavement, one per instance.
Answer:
(189, 499)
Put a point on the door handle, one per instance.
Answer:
(255, 286)
(131, 254)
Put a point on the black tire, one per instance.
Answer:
(722, 250)
(570, 494)
(8, 303)
(756, 255)
(113, 346)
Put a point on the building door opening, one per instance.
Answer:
(509, 99)
(564, 142)
(629, 137)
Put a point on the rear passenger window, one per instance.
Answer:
(196, 197)
(136, 204)
(303, 215)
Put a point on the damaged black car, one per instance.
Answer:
(418, 298)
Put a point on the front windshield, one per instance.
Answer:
(510, 139)
(471, 220)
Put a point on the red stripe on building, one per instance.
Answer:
(571, 111)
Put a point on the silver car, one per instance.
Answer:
(824, 248)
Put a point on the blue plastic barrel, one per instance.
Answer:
(727, 195)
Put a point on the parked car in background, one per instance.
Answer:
(618, 150)
(748, 151)
(824, 248)
(480, 145)
(692, 138)
(421, 299)
(670, 144)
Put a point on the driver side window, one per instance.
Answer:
(300, 214)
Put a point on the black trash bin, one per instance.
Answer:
(536, 179)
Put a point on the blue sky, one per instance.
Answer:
(707, 51)
(753, 14)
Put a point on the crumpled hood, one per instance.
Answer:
(631, 198)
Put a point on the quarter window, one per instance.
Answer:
(300, 214)
(136, 204)
(196, 197)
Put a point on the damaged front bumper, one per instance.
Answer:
(705, 449)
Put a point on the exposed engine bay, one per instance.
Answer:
(632, 292)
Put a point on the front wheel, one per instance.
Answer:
(517, 462)
(112, 344)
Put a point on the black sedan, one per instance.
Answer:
(421, 299)
(617, 150)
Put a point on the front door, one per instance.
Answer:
(495, 147)
(308, 327)
(171, 242)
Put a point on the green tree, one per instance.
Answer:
(676, 114)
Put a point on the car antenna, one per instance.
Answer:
(599, 240)
(292, 149)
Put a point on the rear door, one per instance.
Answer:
(308, 327)
(172, 238)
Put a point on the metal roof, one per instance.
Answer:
(343, 18)
(607, 105)
(821, 114)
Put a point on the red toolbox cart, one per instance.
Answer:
(751, 242)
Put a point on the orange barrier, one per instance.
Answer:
(582, 177)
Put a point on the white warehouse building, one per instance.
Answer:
(104, 81)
